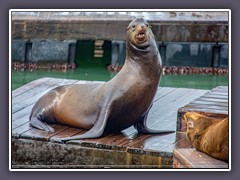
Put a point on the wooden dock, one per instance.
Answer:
(33, 148)
(212, 104)
(191, 158)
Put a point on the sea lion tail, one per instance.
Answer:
(35, 122)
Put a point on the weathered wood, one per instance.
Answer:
(66, 132)
(224, 97)
(28, 86)
(32, 95)
(37, 134)
(84, 27)
(162, 92)
(168, 118)
(19, 114)
(20, 121)
(213, 103)
(209, 103)
(180, 142)
(16, 132)
(42, 154)
(45, 86)
(155, 150)
(191, 158)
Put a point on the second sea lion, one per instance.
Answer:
(208, 135)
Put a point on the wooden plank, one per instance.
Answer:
(19, 114)
(67, 132)
(199, 102)
(219, 93)
(28, 86)
(106, 139)
(35, 89)
(180, 142)
(173, 94)
(110, 142)
(162, 92)
(212, 99)
(37, 134)
(20, 121)
(137, 142)
(209, 104)
(21, 104)
(191, 158)
(165, 122)
(20, 129)
(50, 84)
(166, 100)
(214, 96)
(167, 143)
(179, 99)
(200, 106)
(168, 111)
(114, 139)
(184, 155)
(33, 94)
(154, 142)
(221, 89)
(47, 86)
(205, 110)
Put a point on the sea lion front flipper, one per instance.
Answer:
(96, 131)
(141, 127)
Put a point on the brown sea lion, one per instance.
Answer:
(208, 135)
(112, 106)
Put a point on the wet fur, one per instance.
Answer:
(208, 135)
(111, 106)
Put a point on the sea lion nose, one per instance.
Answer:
(142, 26)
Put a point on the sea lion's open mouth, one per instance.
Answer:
(141, 37)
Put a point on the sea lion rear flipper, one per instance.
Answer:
(96, 130)
(37, 123)
(141, 127)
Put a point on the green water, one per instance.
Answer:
(20, 78)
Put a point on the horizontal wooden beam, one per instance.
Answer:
(77, 28)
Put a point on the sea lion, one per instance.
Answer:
(208, 135)
(112, 106)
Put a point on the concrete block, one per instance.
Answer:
(118, 52)
(18, 50)
(224, 53)
(189, 54)
(50, 50)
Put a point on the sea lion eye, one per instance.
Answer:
(133, 26)
(148, 26)
(190, 123)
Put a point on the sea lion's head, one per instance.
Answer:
(139, 34)
(196, 126)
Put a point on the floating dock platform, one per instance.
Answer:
(33, 148)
